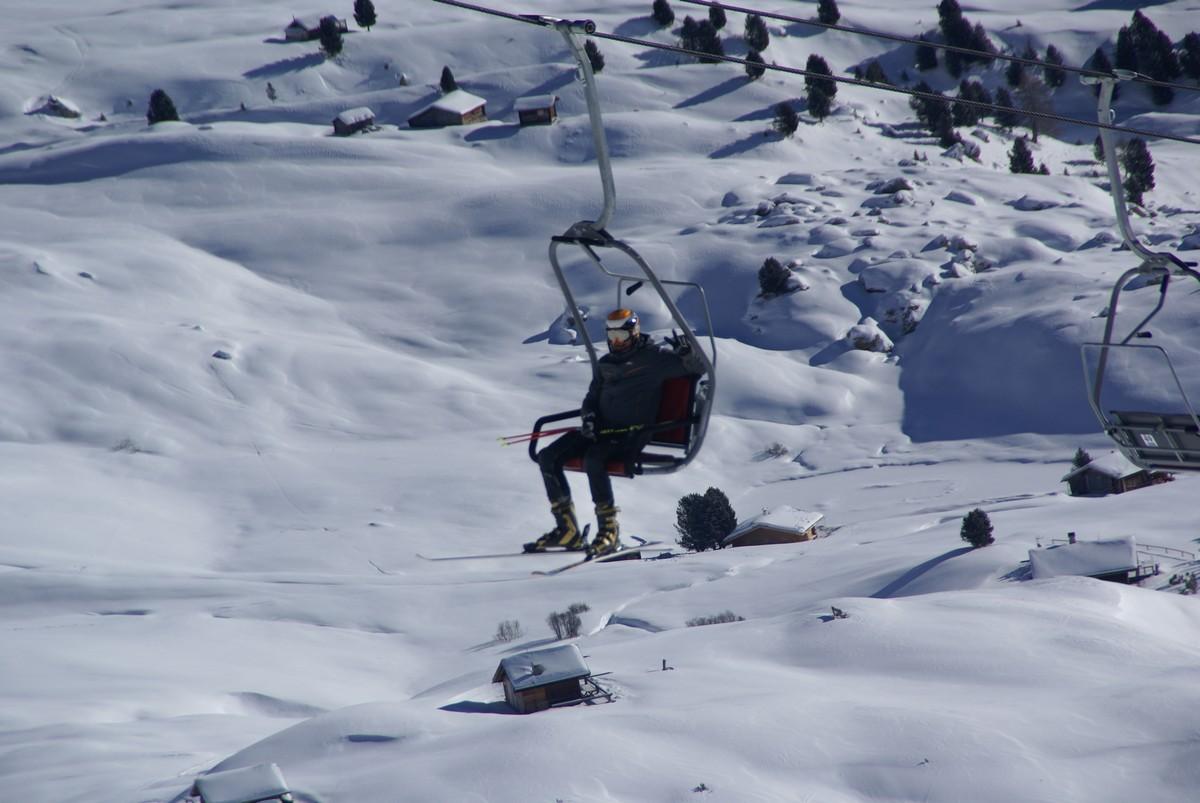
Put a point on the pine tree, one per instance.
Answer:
(1124, 54)
(595, 57)
(786, 120)
(875, 73)
(819, 104)
(331, 37)
(964, 114)
(1020, 158)
(708, 40)
(1006, 116)
(756, 34)
(704, 520)
(1098, 148)
(1014, 73)
(1100, 63)
(161, 109)
(448, 84)
(1189, 57)
(1034, 96)
(1081, 458)
(364, 13)
(716, 15)
(688, 34)
(1139, 169)
(1054, 77)
(982, 42)
(926, 56)
(816, 65)
(827, 12)
(662, 13)
(754, 68)
(271, 93)
(977, 529)
(773, 277)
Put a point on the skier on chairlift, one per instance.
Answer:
(620, 406)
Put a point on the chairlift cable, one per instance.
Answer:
(1139, 132)
(966, 51)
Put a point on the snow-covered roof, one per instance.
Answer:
(528, 670)
(1114, 465)
(784, 517)
(355, 115)
(533, 102)
(310, 22)
(1085, 558)
(457, 102)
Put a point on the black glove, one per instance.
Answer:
(678, 343)
(588, 428)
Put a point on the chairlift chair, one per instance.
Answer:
(686, 402)
(1155, 439)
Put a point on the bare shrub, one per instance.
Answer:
(566, 624)
(716, 619)
(508, 630)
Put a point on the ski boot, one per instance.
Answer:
(607, 538)
(565, 534)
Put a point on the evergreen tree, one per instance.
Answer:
(773, 277)
(757, 37)
(1006, 116)
(817, 66)
(964, 114)
(1139, 169)
(364, 13)
(827, 12)
(1020, 158)
(161, 108)
(819, 104)
(704, 520)
(716, 15)
(944, 129)
(977, 529)
(926, 56)
(1098, 148)
(447, 83)
(1034, 96)
(594, 56)
(1043, 170)
(1014, 73)
(662, 13)
(708, 40)
(688, 34)
(1100, 63)
(1189, 56)
(331, 37)
(1124, 54)
(875, 73)
(1081, 458)
(982, 42)
(754, 68)
(271, 93)
(920, 105)
(786, 120)
(1054, 77)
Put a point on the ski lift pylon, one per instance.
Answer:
(687, 401)
(1154, 439)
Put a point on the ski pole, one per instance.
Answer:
(509, 440)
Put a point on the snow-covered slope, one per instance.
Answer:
(253, 371)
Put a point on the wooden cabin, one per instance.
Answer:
(308, 27)
(1114, 559)
(352, 121)
(535, 681)
(454, 108)
(537, 109)
(254, 784)
(782, 525)
(1111, 474)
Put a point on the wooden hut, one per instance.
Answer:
(782, 525)
(254, 784)
(308, 27)
(1114, 559)
(535, 681)
(454, 108)
(352, 121)
(537, 109)
(1111, 474)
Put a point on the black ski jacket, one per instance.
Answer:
(628, 385)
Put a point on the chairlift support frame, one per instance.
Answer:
(1150, 439)
(590, 236)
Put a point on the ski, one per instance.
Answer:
(499, 555)
(624, 553)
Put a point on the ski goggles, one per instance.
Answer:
(619, 335)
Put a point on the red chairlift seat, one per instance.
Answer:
(673, 429)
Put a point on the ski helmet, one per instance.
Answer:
(622, 329)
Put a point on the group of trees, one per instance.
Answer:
(703, 520)
(1142, 47)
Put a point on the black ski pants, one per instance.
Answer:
(595, 454)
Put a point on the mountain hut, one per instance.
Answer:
(535, 681)
(454, 108)
(537, 109)
(782, 525)
(1111, 474)
(352, 121)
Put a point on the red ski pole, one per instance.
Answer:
(509, 440)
